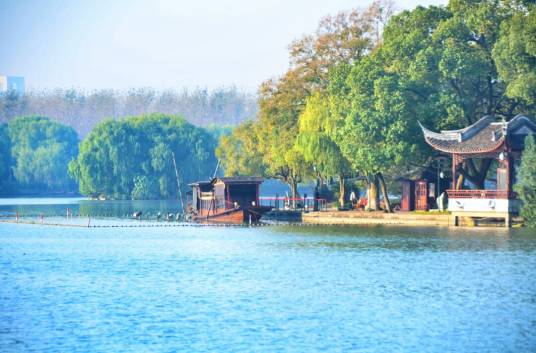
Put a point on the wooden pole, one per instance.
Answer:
(216, 170)
(178, 181)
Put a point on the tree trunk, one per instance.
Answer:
(476, 171)
(482, 172)
(317, 193)
(373, 196)
(341, 191)
(293, 191)
(384, 193)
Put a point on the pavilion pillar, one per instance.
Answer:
(454, 166)
(508, 166)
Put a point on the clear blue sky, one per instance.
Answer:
(156, 43)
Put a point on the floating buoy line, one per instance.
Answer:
(114, 221)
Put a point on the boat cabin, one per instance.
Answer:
(225, 194)
(501, 142)
(201, 192)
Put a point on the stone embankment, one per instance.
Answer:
(378, 218)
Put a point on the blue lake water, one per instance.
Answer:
(111, 208)
(268, 289)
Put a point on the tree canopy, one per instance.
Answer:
(238, 151)
(526, 185)
(132, 157)
(5, 157)
(341, 39)
(515, 56)
(357, 89)
(37, 153)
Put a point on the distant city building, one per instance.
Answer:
(12, 83)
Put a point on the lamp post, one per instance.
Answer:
(440, 174)
(438, 177)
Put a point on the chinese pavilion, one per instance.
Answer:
(487, 138)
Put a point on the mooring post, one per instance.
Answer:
(508, 221)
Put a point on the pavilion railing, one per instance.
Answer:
(297, 203)
(480, 194)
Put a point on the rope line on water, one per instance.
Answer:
(152, 225)
(148, 220)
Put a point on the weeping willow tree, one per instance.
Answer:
(132, 157)
(315, 142)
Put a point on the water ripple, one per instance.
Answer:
(289, 289)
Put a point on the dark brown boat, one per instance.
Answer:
(232, 200)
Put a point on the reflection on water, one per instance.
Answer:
(413, 238)
(268, 289)
(95, 208)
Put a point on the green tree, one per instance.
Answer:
(5, 157)
(143, 188)
(218, 131)
(280, 105)
(379, 131)
(443, 60)
(238, 152)
(526, 184)
(132, 157)
(343, 38)
(41, 150)
(515, 56)
(315, 142)
(434, 65)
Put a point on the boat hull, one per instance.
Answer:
(234, 216)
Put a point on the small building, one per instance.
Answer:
(422, 194)
(12, 83)
(487, 138)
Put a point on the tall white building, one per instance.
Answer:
(12, 83)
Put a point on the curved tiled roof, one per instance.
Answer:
(486, 135)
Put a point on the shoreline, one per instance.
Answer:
(410, 219)
(377, 218)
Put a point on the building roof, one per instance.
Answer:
(484, 136)
(200, 183)
(239, 180)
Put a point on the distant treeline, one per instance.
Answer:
(122, 159)
(83, 110)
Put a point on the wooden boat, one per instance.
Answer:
(232, 200)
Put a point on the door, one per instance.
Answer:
(408, 196)
(421, 195)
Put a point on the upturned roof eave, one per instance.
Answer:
(495, 148)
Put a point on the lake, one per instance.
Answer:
(81, 206)
(265, 289)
